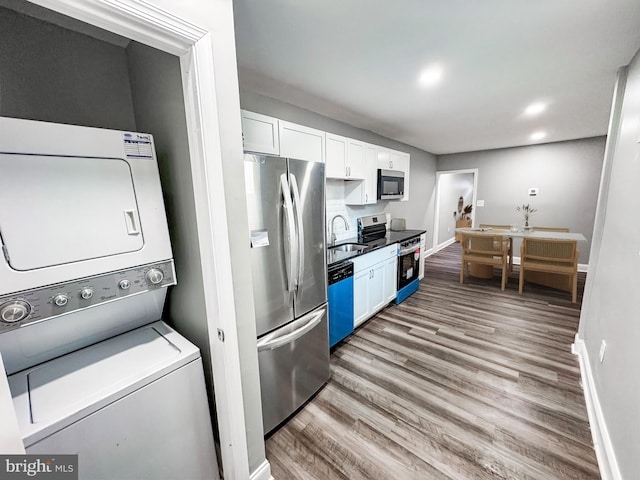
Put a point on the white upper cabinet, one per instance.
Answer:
(400, 161)
(345, 158)
(303, 143)
(365, 192)
(260, 133)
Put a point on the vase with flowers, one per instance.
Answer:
(526, 210)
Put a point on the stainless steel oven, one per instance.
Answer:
(408, 261)
(408, 267)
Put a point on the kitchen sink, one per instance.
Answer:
(350, 247)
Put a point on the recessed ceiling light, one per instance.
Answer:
(538, 135)
(430, 75)
(535, 108)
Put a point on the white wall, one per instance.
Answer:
(566, 173)
(611, 304)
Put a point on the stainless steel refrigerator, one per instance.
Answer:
(285, 202)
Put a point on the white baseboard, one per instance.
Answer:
(437, 248)
(263, 472)
(582, 267)
(609, 469)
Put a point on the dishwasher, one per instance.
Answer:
(340, 293)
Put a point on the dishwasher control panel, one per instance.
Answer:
(24, 308)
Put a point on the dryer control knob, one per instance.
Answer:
(61, 299)
(86, 293)
(124, 284)
(154, 276)
(14, 311)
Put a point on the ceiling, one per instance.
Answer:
(358, 62)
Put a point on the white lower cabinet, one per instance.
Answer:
(374, 282)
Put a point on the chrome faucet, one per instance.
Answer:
(332, 233)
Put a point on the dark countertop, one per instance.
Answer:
(335, 257)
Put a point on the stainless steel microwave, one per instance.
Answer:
(390, 184)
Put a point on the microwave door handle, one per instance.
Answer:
(293, 248)
(275, 340)
(298, 209)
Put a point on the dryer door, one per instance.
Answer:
(56, 210)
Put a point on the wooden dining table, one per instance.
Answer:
(560, 282)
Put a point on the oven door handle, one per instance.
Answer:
(406, 251)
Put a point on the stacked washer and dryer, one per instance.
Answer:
(85, 265)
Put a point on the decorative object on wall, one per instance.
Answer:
(526, 210)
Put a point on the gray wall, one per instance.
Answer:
(54, 74)
(611, 303)
(418, 211)
(567, 175)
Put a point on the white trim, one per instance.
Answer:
(609, 469)
(263, 472)
(143, 22)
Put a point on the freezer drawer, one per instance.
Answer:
(294, 364)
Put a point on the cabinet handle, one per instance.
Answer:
(366, 197)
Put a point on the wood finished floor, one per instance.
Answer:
(457, 382)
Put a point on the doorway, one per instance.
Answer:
(450, 187)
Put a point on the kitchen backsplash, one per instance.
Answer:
(335, 206)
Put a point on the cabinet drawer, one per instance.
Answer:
(369, 259)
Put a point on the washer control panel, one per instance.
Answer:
(30, 306)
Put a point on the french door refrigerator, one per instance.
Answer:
(285, 203)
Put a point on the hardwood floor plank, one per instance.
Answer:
(457, 382)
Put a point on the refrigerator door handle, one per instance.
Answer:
(275, 339)
(293, 246)
(300, 227)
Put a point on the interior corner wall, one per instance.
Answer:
(567, 175)
(53, 74)
(418, 211)
(610, 313)
(156, 86)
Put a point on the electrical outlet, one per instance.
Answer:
(603, 348)
(448, 229)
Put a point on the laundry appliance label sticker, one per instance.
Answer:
(137, 145)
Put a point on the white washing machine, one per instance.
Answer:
(131, 407)
(85, 266)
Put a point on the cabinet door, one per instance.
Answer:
(303, 143)
(400, 161)
(260, 133)
(336, 160)
(364, 192)
(355, 159)
(390, 279)
(423, 249)
(384, 159)
(377, 298)
(370, 175)
(360, 296)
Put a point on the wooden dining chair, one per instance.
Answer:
(502, 227)
(551, 229)
(550, 256)
(484, 249)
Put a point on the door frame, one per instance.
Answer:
(436, 213)
(148, 24)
